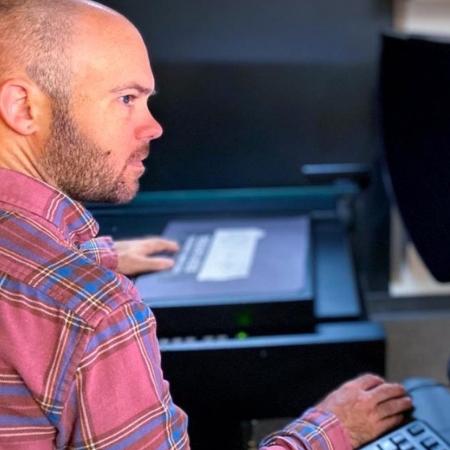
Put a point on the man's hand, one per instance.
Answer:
(367, 407)
(135, 256)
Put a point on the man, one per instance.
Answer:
(79, 358)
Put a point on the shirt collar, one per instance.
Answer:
(30, 195)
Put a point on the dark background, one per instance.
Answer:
(250, 90)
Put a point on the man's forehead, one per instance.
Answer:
(100, 27)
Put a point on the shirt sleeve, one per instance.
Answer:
(101, 250)
(314, 430)
(120, 398)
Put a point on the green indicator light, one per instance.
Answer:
(242, 335)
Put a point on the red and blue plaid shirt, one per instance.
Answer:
(79, 358)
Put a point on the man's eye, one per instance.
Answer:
(127, 99)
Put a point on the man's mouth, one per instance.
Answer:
(137, 158)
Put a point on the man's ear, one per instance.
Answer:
(16, 106)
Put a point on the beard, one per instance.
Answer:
(80, 168)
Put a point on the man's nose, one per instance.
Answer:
(151, 129)
(157, 129)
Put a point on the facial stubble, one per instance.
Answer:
(81, 168)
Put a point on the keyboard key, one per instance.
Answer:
(387, 445)
(429, 442)
(398, 438)
(416, 429)
(406, 446)
(415, 435)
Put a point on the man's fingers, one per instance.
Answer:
(136, 256)
(389, 422)
(394, 406)
(386, 391)
(155, 264)
(157, 245)
(368, 381)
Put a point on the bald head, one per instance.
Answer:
(69, 112)
(36, 38)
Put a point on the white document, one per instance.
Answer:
(231, 254)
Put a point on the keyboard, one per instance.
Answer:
(416, 435)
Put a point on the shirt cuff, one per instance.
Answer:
(314, 430)
(102, 251)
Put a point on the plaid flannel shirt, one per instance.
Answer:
(79, 358)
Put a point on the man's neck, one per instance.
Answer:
(22, 159)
